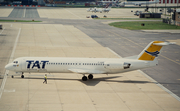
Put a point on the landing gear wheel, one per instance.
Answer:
(90, 76)
(22, 76)
(84, 78)
(12, 76)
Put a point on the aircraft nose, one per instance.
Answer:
(8, 67)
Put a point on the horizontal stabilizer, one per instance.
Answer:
(164, 43)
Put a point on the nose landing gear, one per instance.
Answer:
(22, 76)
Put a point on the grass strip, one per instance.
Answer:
(128, 18)
(148, 25)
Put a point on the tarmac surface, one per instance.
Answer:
(20, 12)
(78, 36)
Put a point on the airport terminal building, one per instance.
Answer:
(160, 1)
(43, 2)
(168, 1)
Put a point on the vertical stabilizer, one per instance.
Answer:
(152, 50)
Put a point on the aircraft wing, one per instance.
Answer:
(86, 71)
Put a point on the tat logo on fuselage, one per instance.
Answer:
(155, 54)
(36, 64)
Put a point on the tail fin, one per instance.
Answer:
(152, 50)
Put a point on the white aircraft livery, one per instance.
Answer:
(147, 58)
(139, 3)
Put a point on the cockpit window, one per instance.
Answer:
(15, 62)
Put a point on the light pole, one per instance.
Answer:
(177, 3)
(165, 7)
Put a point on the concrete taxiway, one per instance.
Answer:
(130, 91)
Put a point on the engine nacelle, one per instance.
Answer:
(116, 65)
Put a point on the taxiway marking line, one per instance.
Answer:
(151, 79)
(113, 52)
(10, 60)
(73, 14)
(3, 30)
(161, 86)
(143, 47)
(24, 13)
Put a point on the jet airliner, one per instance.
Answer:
(147, 58)
(105, 9)
(98, 10)
(139, 3)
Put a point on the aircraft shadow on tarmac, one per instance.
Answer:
(92, 82)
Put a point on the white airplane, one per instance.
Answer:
(105, 9)
(147, 58)
(139, 3)
(112, 2)
(98, 10)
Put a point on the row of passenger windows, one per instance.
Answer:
(75, 64)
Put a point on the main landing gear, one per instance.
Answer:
(22, 76)
(90, 76)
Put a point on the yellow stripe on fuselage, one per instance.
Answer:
(151, 48)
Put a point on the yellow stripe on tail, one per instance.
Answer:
(151, 51)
